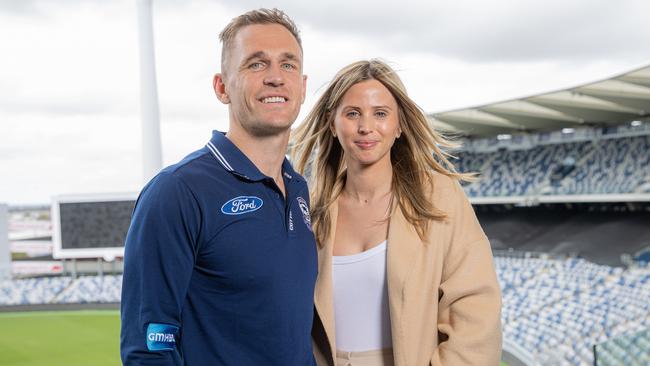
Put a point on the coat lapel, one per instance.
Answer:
(323, 292)
(404, 244)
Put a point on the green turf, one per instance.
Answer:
(61, 338)
(65, 338)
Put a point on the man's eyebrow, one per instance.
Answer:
(291, 56)
(258, 54)
(262, 55)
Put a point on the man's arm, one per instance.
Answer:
(159, 257)
(469, 309)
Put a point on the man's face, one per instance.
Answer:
(263, 80)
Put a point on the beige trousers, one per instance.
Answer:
(381, 357)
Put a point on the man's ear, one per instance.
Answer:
(219, 86)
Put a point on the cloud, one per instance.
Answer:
(67, 105)
(69, 87)
(73, 62)
(26, 7)
(473, 31)
(48, 155)
(486, 31)
(42, 8)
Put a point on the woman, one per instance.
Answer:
(405, 270)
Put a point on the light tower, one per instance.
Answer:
(151, 145)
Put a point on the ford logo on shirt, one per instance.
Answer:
(241, 205)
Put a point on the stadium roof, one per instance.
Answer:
(617, 100)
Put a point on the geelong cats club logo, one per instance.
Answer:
(304, 208)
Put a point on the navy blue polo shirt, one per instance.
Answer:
(219, 268)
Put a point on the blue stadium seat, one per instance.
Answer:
(605, 166)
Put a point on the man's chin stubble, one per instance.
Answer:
(262, 129)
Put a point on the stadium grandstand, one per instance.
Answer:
(563, 193)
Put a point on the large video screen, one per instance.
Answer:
(91, 226)
(94, 224)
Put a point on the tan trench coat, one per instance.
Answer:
(444, 298)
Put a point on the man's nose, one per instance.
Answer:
(274, 77)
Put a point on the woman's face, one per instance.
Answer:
(367, 123)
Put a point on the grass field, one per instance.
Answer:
(60, 338)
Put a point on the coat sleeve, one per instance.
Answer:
(469, 309)
(159, 258)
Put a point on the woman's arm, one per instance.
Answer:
(469, 309)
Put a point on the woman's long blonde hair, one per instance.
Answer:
(414, 156)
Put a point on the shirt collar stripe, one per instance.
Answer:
(218, 156)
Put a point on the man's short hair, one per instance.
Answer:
(259, 16)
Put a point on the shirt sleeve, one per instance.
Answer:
(469, 309)
(159, 257)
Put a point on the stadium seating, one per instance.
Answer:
(92, 289)
(557, 309)
(32, 290)
(626, 350)
(603, 166)
(61, 290)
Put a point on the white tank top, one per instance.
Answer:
(362, 318)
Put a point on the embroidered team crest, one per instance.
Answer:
(304, 208)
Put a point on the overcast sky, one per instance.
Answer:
(69, 97)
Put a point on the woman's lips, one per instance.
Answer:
(365, 144)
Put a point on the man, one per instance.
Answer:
(220, 261)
